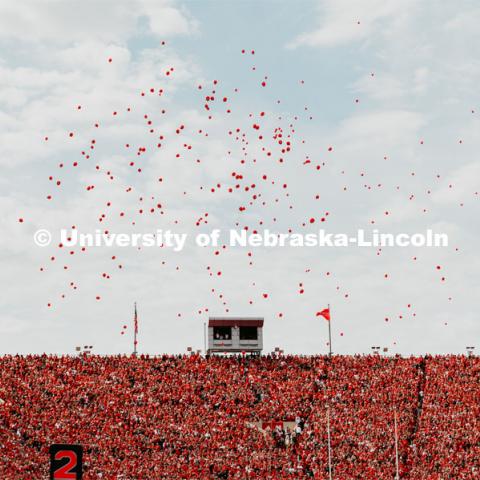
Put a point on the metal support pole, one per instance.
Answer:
(329, 333)
(397, 476)
(135, 329)
(329, 445)
(205, 338)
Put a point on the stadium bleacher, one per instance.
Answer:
(188, 417)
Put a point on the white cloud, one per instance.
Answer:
(344, 21)
(463, 186)
(63, 22)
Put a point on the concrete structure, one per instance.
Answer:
(235, 335)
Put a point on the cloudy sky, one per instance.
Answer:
(104, 125)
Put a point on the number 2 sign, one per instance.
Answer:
(65, 462)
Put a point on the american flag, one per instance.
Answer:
(135, 326)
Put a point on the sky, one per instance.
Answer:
(104, 125)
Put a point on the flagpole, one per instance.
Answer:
(135, 329)
(329, 332)
(329, 444)
(397, 477)
(205, 338)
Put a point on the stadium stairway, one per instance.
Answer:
(406, 460)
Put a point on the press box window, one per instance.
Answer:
(248, 333)
(222, 333)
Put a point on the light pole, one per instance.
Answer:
(397, 476)
(329, 444)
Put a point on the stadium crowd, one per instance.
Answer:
(451, 407)
(190, 417)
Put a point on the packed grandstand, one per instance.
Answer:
(190, 417)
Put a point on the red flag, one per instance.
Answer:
(325, 313)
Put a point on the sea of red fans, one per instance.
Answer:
(188, 417)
